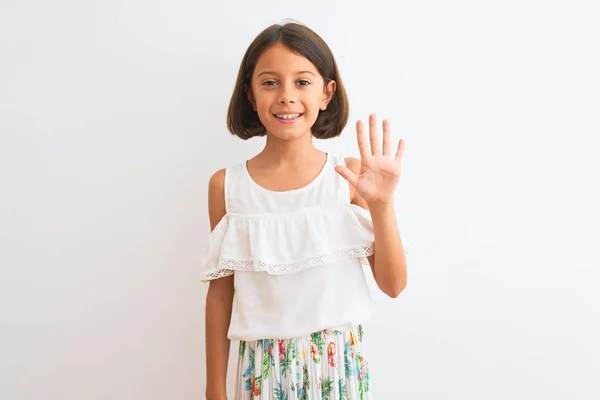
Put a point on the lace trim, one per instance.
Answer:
(228, 267)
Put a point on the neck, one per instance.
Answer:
(291, 151)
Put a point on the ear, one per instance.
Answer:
(250, 96)
(328, 92)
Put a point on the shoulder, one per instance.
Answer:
(216, 198)
(217, 180)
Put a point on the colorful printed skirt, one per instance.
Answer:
(326, 365)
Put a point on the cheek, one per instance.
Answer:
(264, 101)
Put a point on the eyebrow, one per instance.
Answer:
(275, 73)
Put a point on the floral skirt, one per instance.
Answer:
(326, 365)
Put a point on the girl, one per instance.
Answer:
(292, 227)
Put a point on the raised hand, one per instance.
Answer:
(380, 170)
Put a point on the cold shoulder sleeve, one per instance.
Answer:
(286, 243)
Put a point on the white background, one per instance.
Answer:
(112, 119)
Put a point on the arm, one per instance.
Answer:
(389, 261)
(219, 300)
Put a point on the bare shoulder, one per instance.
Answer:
(217, 180)
(354, 164)
(216, 198)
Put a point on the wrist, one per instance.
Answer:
(381, 206)
(216, 395)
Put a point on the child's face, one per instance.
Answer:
(287, 92)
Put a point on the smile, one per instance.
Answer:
(287, 117)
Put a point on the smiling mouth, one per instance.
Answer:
(288, 116)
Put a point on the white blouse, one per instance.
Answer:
(297, 256)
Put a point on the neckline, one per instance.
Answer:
(297, 190)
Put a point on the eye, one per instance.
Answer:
(303, 82)
(269, 83)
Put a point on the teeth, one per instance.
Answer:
(287, 116)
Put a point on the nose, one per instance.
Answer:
(287, 95)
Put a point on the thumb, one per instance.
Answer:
(347, 174)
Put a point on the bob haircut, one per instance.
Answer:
(243, 121)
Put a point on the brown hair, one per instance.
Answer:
(243, 121)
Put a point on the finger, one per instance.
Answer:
(375, 145)
(387, 140)
(347, 174)
(360, 138)
(400, 152)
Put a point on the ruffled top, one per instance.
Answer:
(297, 257)
(286, 243)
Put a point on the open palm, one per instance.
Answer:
(380, 170)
